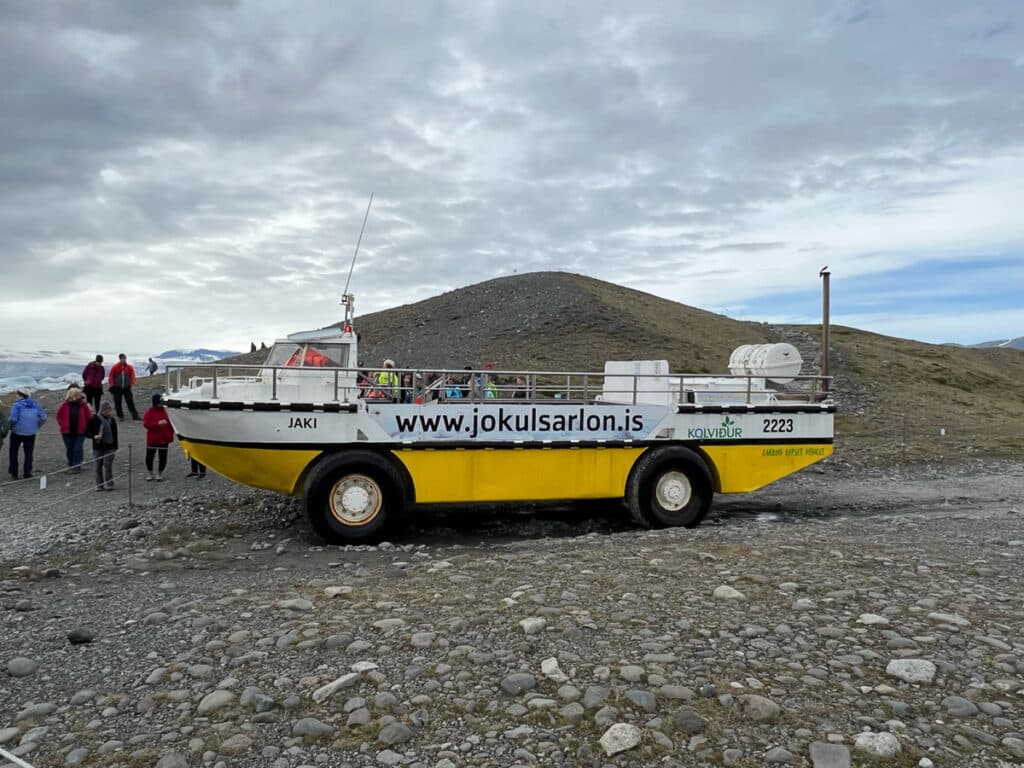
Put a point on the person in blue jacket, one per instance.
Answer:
(26, 419)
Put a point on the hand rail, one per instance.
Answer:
(481, 385)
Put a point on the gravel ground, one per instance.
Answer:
(835, 618)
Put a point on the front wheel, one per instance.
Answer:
(353, 497)
(669, 487)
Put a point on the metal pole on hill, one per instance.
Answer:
(824, 275)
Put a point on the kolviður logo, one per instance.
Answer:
(726, 431)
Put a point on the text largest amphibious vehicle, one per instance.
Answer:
(360, 448)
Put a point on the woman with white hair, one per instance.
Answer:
(73, 416)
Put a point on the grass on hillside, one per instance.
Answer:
(974, 395)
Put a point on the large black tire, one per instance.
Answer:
(353, 497)
(669, 487)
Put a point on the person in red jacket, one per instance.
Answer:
(92, 376)
(159, 435)
(73, 417)
(122, 379)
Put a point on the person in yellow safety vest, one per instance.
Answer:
(388, 380)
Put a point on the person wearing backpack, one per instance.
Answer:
(102, 430)
(26, 419)
(92, 377)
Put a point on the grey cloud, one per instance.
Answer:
(203, 144)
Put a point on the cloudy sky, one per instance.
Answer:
(195, 173)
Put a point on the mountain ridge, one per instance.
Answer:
(1015, 343)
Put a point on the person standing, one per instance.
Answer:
(196, 469)
(159, 435)
(92, 376)
(388, 380)
(152, 366)
(5, 425)
(122, 379)
(73, 418)
(26, 419)
(103, 431)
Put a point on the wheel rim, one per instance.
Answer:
(356, 500)
(673, 491)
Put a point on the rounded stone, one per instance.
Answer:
(758, 708)
(533, 625)
(725, 592)
(394, 733)
(213, 701)
(912, 670)
(883, 745)
(76, 757)
(642, 699)
(517, 682)
(236, 745)
(81, 636)
(172, 760)
(688, 721)
(958, 706)
(310, 726)
(619, 738)
(21, 666)
(778, 756)
(824, 755)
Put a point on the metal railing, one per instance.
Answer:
(419, 385)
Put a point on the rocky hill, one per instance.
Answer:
(552, 320)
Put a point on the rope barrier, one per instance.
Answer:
(64, 499)
(36, 478)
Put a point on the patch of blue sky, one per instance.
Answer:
(988, 283)
(969, 289)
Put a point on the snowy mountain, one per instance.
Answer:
(200, 355)
(1017, 343)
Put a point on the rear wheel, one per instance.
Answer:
(669, 487)
(353, 497)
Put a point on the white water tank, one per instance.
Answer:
(775, 362)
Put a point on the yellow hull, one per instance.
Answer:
(743, 468)
(518, 474)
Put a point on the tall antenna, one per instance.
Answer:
(347, 299)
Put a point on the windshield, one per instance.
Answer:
(322, 355)
(280, 354)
